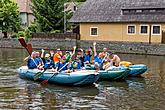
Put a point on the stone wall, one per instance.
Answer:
(64, 44)
(127, 47)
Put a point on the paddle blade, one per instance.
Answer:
(45, 82)
(37, 75)
(22, 42)
(29, 48)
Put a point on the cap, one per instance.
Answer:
(67, 52)
(47, 55)
(86, 51)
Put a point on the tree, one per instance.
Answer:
(9, 17)
(49, 14)
(80, 0)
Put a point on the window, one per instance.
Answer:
(144, 29)
(153, 10)
(93, 31)
(138, 11)
(131, 29)
(156, 29)
(143, 11)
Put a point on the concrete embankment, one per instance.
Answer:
(64, 44)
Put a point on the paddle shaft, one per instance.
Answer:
(58, 71)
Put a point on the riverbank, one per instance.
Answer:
(64, 44)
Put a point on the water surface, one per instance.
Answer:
(142, 93)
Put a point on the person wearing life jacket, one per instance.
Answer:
(57, 56)
(51, 54)
(115, 59)
(61, 63)
(48, 63)
(98, 59)
(87, 56)
(80, 56)
(39, 61)
(90, 51)
(68, 55)
(76, 65)
(32, 62)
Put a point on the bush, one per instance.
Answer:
(28, 33)
(14, 35)
(55, 31)
(33, 27)
(20, 34)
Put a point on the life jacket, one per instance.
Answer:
(56, 57)
(48, 64)
(86, 58)
(32, 63)
(39, 60)
(76, 65)
(60, 65)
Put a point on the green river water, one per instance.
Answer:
(141, 93)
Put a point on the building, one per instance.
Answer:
(122, 20)
(25, 12)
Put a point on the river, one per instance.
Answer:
(141, 93)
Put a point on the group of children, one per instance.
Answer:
(68, 63)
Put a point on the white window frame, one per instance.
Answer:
(152, 29)
(91, 31)
(147, 29)
(135, 29)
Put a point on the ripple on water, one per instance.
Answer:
(132, 94)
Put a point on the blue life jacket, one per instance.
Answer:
(86, 58)
(32, 63)
(48, 64)
(78, 66)
(39, 60)
(60, 65)
(99, 61)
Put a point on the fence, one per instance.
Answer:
(56, 35)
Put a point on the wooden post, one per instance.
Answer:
(150, 33)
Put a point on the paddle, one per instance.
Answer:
(28, 47)
(38, 74)
(46, 81)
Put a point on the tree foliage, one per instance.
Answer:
(9, 16)
(80, 0)
(49, 14)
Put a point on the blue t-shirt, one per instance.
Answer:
(32, 63)
(98, 60)
(86, 58)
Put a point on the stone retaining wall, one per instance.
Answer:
(119, 47)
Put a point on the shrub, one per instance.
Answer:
(20, 34)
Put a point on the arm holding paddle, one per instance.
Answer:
(94, 49)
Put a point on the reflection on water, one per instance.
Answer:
(131, 94)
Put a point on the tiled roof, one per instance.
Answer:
(111, 11)
(24, 5)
